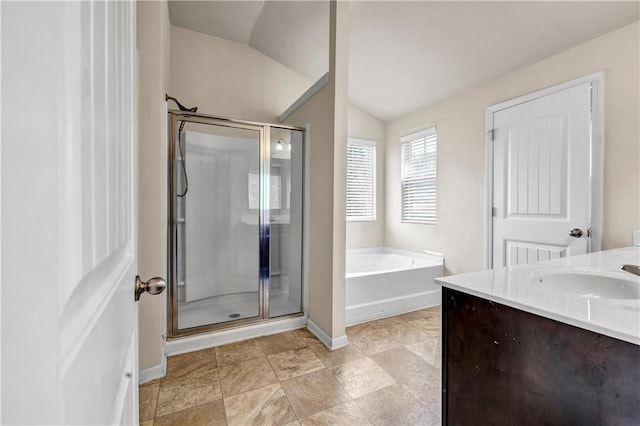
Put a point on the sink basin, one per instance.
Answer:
(588, 283)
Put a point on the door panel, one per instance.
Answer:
(541, 187)
(536, 152)
(98, 315)
(285, 251)
(518, 252)
(216, 202)
(220, 212)
(73, 329)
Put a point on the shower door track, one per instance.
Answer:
(173, 331)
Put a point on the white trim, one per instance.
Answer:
(1, 382)
(305, 218)
(323, 81)
(382, 309)
(203, 341)
(488, 189)
(164, 209)
(597, 160)
(361, 219)
(591, 78)
(153, 373)
(431, 256)
(366, 142)
(429, 131)
(332, 343)
(597, 156)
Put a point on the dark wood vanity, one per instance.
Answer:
(505, 366)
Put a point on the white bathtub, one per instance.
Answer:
(382, 281)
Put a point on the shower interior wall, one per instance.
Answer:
(220, 256)
(219, 249)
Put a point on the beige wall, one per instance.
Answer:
(326, 114)
(153, 71)
(459, 232)
(339, 69)
(362, 125)
(220, 77)
(230, 79)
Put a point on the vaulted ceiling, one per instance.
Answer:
(407, 55)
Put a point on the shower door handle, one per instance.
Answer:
(153, 286)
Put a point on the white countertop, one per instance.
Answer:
(511, 286)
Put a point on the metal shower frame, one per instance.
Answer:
(264, 130)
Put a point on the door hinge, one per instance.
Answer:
(589, 232)
(492, 134)
(494, 211)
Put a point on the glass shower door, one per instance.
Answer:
(216, 223)
(235, 223)
(285, 218)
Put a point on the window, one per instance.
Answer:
(418, 156)
(275, 191)
(361, 180)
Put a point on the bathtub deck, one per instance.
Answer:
(407, 286)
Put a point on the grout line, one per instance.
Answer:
(290, 403)
(155, 409)
(188, 408)
(279, 381)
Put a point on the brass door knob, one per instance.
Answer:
(153, 286)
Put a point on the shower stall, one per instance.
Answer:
(235, 223)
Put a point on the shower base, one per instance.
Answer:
(230, 307)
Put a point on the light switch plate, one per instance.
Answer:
(636, 238)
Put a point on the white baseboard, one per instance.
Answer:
(385, 308)
(152, 373)
(190, 344)
(332, 343)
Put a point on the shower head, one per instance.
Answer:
(184, 167)
(180, 106)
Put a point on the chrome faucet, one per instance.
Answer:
(634, 269)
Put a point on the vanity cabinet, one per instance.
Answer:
(505, 366)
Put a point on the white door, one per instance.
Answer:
(541, 176)
(69, 329)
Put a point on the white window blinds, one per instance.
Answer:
(419, 158)
(361, 180)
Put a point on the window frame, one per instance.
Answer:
(254, 189)
(374, 195)
(406, 217)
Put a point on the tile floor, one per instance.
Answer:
(388, 375)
